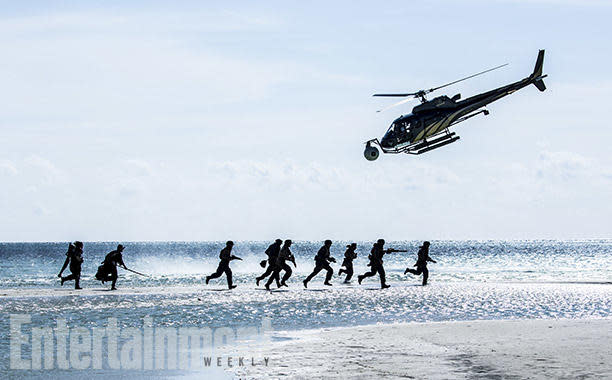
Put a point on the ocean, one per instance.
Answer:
(472, 280)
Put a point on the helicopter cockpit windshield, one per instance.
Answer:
(397, 132)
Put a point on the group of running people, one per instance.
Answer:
(279, 253)
(106, 272)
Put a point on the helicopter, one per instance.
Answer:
(427, 127)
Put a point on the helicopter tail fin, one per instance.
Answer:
(540, 85)
(537, 72)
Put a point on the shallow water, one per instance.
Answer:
(179, 263)
(472, 280)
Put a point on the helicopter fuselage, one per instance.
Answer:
(436, 115)
(427, 127)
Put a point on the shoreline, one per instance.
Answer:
(67, 291)
(522, 348)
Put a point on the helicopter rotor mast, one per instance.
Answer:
(421, 94)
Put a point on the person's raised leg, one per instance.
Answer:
(268, 272)
(218, 273)
(349, 273)
(371, 273)
(315, 271)
(288, 273)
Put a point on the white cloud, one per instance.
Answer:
(40, 210)
(317, 176)
(45, 170)
(138, 168)
(562, 165)
(569, 166)
(8, 168)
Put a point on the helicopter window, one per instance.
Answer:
(401, 128)
(397, 133)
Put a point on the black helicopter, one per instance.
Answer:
(426, 128)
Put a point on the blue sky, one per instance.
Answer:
(209, 121)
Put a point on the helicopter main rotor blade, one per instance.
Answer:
(397, 95)
(468, 77)
(396, 104)
(421, 94)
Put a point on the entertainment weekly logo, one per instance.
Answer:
(133, 348)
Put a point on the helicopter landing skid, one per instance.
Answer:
(421, 146)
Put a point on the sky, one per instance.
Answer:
(133, 121)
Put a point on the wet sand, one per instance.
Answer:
(535, 349)
(67, 291)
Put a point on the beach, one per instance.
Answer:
(521, 349)
(492, 309)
